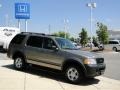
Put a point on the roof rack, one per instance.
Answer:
(32, 33)
(50, 35)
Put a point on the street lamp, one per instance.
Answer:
(66, 21)
(91, 5)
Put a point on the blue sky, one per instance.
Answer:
(53, 12)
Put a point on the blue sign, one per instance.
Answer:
(22, 10)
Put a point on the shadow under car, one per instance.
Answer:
(52, 74)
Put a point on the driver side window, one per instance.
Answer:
(48, 43)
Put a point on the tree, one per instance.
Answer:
(102, 33)
(95, 41)
(62, 34)
(84, 37)
(89, 39)
(72, 39)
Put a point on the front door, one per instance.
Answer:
(51, 56)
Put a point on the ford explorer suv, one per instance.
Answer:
(56, 53)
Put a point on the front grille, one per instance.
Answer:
(100, 60)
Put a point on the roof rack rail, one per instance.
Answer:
(32, 33)
(50, 35)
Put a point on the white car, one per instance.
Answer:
(78, 46)
(113, 44)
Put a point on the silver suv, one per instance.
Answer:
(114, 45)
(56, 53)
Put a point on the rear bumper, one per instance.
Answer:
(95, 70)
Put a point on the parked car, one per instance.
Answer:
(89, 44)
(56, 53)
(101, 46)
(114, 45)
(77, 45)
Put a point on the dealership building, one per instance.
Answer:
(114, 34)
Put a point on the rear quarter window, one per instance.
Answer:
(18, 39)
(113, 42)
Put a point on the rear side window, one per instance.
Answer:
(35, 41)
(113, 42)
(18, 39)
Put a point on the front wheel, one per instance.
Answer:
(73, 74)
(19, 63)
(115, 49)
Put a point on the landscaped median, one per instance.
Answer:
(95, 49)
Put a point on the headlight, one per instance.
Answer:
(89, 61)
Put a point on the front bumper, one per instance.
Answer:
(95, 70)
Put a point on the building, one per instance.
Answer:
(114, 34)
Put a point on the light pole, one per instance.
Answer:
(66, 21)
(91, 5)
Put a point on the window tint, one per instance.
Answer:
(18, 39)
(113, 42)
(35, 41)
(48, 43)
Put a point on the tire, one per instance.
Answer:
(73, 74)
(115, 49)
(19, 63)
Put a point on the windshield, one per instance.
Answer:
(65, 44)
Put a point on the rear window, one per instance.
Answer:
(18, 39)
(35, 41)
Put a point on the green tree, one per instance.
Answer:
(95, 41)
(89, 39)
(84, 37)
(72, 39)
(62, 34)
(102, 33)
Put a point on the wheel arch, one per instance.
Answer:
(73, 62)
(18, 53)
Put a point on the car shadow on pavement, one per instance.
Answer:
(52, 74)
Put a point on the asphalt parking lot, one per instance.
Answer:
(38, 79)
(112, 60)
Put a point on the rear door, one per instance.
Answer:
(34, 49)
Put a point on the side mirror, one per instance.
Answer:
(54, 48)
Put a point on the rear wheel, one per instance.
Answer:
(19, 63)
(73, 74)
(115, 49)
